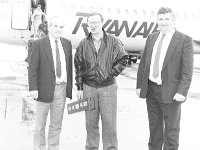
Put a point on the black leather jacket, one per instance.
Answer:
(99, 69)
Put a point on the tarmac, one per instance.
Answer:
(132, 119)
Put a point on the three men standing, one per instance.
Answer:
(164, 77)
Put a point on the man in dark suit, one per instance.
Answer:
(163, 78)
(50, 82)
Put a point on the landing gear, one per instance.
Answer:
(132, 58)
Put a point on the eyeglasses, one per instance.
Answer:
(94, 23)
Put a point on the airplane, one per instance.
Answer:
(131, 26)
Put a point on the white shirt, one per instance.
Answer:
(165, 45)
(38, 12)
(63, 77)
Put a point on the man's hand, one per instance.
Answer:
(79, 95)
(138, 92)
(179, 98)
(34, 94)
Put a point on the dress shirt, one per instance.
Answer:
(63, 77)
(165, 45)
(97, 43)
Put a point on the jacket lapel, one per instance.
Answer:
(151, 44)
(171, 49)
(64, 45)
(49, 52)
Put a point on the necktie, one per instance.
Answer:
(157, 58)
(58, 62)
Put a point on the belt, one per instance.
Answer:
(151, 82)
(59, 83)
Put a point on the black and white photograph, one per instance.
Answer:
(99, 75)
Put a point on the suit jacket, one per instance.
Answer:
(177, 68)
(41, 72)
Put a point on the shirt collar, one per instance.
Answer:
(93, 39)
(171, 32)
(53, 39)
(105, 36)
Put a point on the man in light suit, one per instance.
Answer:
(163, 78)
(50, 82)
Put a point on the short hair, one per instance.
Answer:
(165, 10)
(43, 27)
(94, 14)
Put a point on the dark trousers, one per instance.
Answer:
(164, 120)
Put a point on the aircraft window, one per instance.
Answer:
(177, 15)
(144, 13)
(152, 13)
(72, 8)
(91, 9)
(185, 15)
(109, 11)
(117, 11)
(100, 10)
(193, 16)
(135, 13)
(182, 16)
(126, 11)
(82, 9)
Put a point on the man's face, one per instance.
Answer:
(56, 28)
(95, 24)
(39, 7)
(165, 22)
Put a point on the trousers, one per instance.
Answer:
(164, 120)
(56, 109)
(106, 107)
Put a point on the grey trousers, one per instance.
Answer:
(106, 107)
(56, 115)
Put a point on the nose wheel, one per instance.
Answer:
(132, 59)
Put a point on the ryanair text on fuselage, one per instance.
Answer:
(113, 27)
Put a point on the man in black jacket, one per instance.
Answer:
(99, 58)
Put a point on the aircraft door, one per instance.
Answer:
(20, 14)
